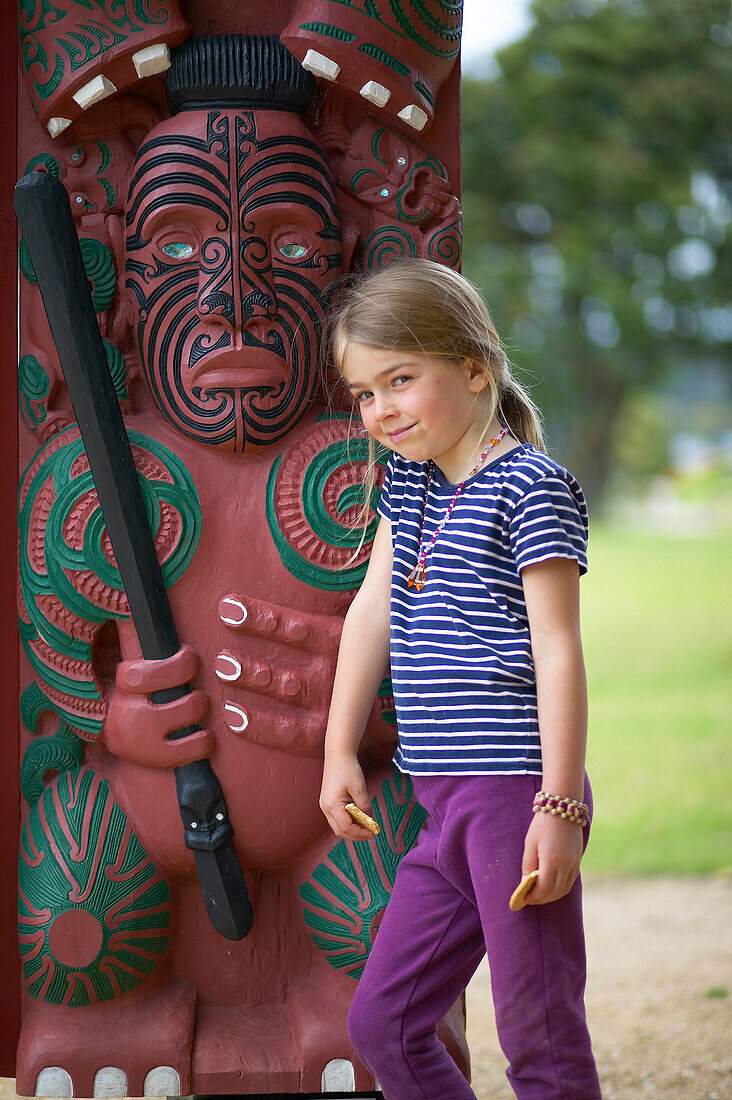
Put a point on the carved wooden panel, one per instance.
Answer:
(226, 164)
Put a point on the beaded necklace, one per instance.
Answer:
(418, 577)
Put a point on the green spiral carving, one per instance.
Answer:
(56, 752)
(99, 267)
(44, 160)
(331, 574)
(48, 754)
(117, 369)
(385, 246)
(57, 468)
(98, 264)
(81, 865)
(347, 893)
(316, 475)
(33, 385)
(446, 245)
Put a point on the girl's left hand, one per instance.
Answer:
(554, 846)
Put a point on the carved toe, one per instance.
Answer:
(110, 1081)
(54, 1081)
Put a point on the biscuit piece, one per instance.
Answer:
(363, 819)
(522, 891)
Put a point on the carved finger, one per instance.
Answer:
(139, 731)
(261, 677)
(143, 677)
(181, 713)
(298, 735)
(185, 750)
(265, 620)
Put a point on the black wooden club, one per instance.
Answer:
(44, 214)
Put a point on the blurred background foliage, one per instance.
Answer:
(596, 194)
(596, 190)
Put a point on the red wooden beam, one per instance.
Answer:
(9, 738)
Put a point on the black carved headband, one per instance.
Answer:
(240, 70)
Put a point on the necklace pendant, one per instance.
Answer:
(418, 577)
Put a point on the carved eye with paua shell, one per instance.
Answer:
(177, 245)
(178, 250)
(292, 244)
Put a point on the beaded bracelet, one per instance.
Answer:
(568, 808)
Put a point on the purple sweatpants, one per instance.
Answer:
(448, 909)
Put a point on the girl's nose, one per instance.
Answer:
(383, 406)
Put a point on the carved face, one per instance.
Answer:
(232, 242)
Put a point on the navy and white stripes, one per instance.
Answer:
(461, 663)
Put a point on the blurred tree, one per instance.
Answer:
(596, 175)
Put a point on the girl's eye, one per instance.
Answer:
(363, 396)
(401, 378)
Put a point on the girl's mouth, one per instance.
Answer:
(395, 437)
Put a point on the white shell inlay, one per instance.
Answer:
(153, 59)
(242, 719)
(54, 1081)
(110, 1081)
(414, 116)
(233, 673)
(162, 1081)
(96, 89)
(320, 65)
(376, 93)
(338, 1076)
(239, 607)
(56, 126)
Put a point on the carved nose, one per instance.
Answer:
(258, 304)
(218, 307)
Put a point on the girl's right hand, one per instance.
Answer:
(343, 781)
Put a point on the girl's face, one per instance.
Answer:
(418, 405)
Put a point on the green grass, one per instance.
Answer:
(657, 633)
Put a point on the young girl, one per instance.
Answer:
(473, 591)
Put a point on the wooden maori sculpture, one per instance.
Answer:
(215, 215)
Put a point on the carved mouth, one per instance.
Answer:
(238, 369)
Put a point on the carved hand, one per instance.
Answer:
(137, 729)
(280, 699)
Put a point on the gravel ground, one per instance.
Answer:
(659, 992)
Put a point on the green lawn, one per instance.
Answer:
(657, 632)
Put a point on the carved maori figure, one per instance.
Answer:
(215, 239)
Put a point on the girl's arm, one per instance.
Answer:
(555, 845)
(362, 660)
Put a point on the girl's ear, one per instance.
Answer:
(477, 375)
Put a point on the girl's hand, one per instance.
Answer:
(343, 781)
(554, 846)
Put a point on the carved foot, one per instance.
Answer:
(318, 1008)
(109, 1081)
(338, 1076)
(139, 1045)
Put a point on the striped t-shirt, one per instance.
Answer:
(461, 664)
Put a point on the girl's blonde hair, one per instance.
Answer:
(417, 306)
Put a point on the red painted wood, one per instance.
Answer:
(9, 794)
(264, 1014)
